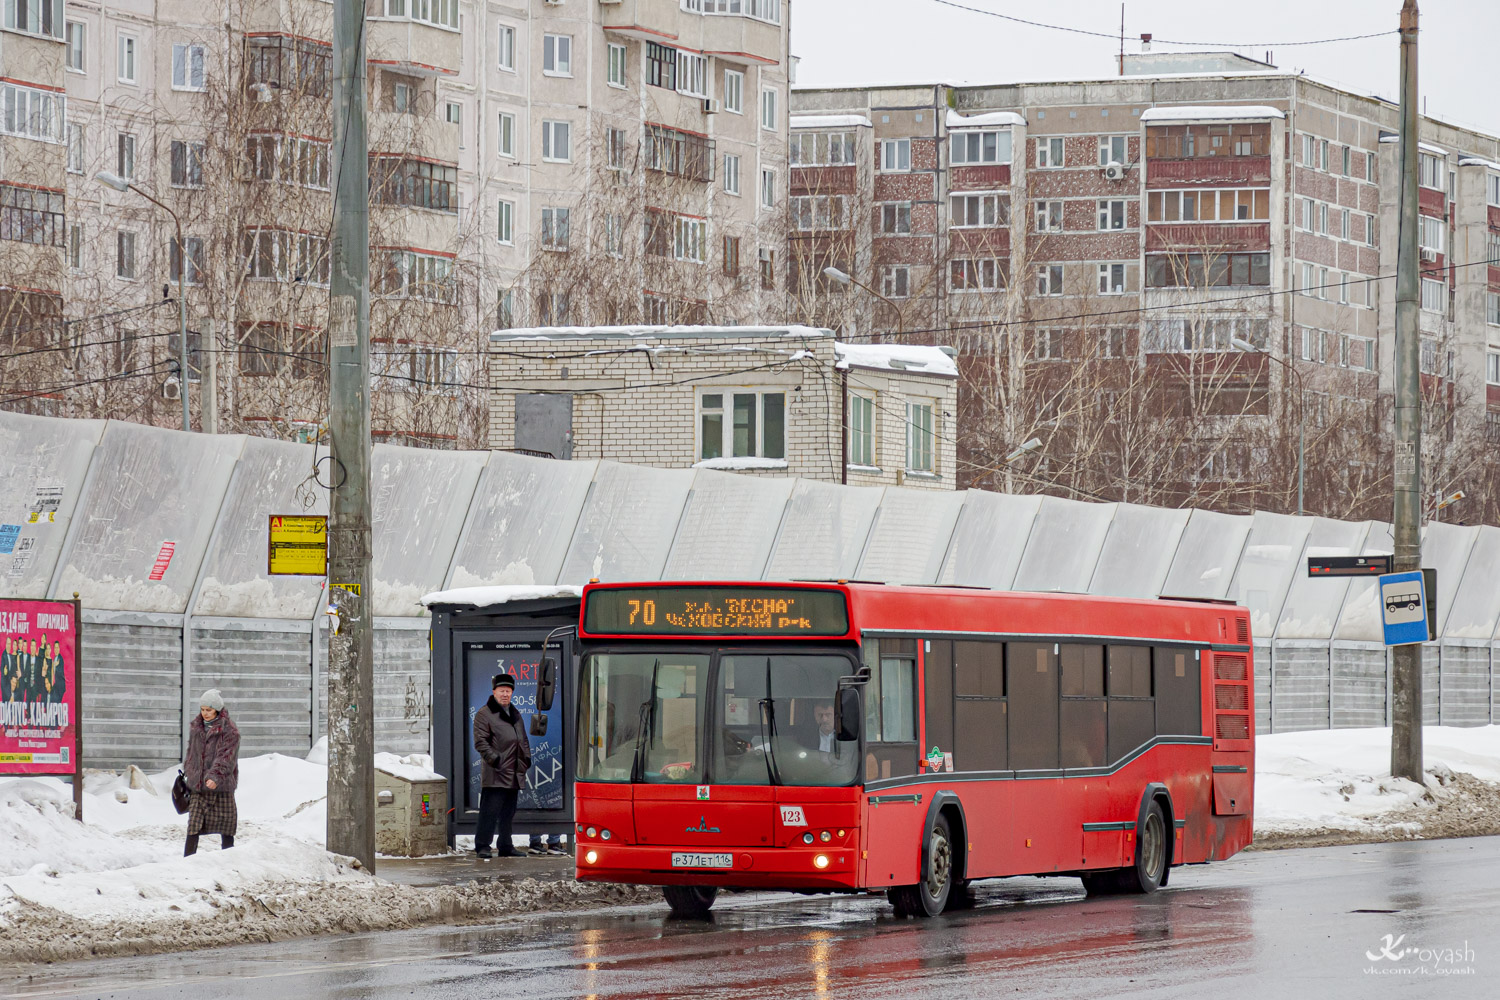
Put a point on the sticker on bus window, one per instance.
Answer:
(702, 792)
(736, 711)
(792, 816)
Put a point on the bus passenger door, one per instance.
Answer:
(891, 749)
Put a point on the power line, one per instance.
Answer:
(1114, 37)
(64, 387)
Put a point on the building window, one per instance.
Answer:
(919, 437)
(557, 142)
(505, 308)
(615, 145)
(1196, 270)
(661, 66)
(1347, 157)
(1112, 342)
(691, 243)
(862, 431)
(125, 59)
(507, 130)
(259, 352)
(1431, 172)
(1047, 345)
(557, 55)
(75, 148)
(1226, 205)
(1111, 215)
(194, 275)
(32, 113)
(1112, 149)
(742, 424)
(299, 65)
(506, 48)
(453, 113)
(731, 256)
(692, 74)
(439, 13)
(35, 17)
(1492, 367)
(895, 156)
(822, 149)
(1111, 279)
(968, 211)
(766, 260)
(1429, 357)
(125, 155)
(734, 91)
(616, 73)
(820, 212)
(31, 215)
(767, 188)
(985, 274)
(614, 234)
(406, 274)
(125, 254)
(1433, 232)
(731, 173)
(1049, 152)
(1049, 279)
(506, 228)
(187, 66)
(978, 148)
(187, 164)
(554, 229)
(1492, 308)
(894, 218)
(1434, 296)
(1049, 216)
(768, 115)
(77, 39)
(413, 183)
(75, 246)
(290, 159)
(673, 151)
(895, 281)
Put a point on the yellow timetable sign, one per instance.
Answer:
(297, 545)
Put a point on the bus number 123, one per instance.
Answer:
(646, 610)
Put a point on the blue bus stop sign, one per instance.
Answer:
(1403, 608)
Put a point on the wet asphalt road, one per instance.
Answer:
(1282, 924)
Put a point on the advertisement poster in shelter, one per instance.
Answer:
(38, 687)
(544, 782)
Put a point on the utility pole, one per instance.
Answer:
(351, 681)
(1406, 661)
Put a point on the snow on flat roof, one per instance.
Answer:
(830, 121)
(1206, 112)
(896, 358)
(607, 332)
(986, 120)
(1478, 161)
(484, 597)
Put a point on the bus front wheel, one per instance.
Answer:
(690, 900)
(929, 897)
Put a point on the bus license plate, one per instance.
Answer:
(702, 860)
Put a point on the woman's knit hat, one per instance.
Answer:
(212, 699)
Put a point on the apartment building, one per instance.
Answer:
(1203, 230)
(546, 162)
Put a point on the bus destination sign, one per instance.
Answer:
(727, 611)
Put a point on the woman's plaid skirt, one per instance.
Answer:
(212, 812)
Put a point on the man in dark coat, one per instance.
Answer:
(500, 740)
(212, 772)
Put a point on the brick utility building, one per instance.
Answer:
(546, 161)
(1225, 228)
(757, 400)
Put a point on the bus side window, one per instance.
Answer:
(1132, 714)
(891, 707)
(937, 689)
(1083, 718)
(1179, 709)
(1031, 687)
(979, 708)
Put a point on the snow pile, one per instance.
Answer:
(896, 357)
(1192, 112)
(989, 119)
(39, 835)
(484, 597)
(1340, 779)
(739, 464)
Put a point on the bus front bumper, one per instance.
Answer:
(824, 866)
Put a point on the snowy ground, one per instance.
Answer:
(118, 882)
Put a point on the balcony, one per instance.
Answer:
(411, 44)
(1252, 171)
(733, 36)
(1212, 236)
(986, 178)
(426, 136)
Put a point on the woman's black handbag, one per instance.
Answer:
(182, 795)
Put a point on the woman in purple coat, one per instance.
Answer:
(212, 771)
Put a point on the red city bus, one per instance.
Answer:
(771, 736)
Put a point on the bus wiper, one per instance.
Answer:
(768, 717)
(644, 722)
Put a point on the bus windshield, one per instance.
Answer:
(644, 717)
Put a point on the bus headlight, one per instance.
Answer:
(604, 834)
(807, 838)
(825, 836)
(592, 857)
(592, 832)
(821, 861)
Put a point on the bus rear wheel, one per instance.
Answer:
(929, 897)
(1150, 866)
(690, 900)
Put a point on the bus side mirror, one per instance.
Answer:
(847, 722)
(546, 688)
(538, 725)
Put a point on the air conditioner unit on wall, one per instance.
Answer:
(1427, 254)
(1114, 172)
(171, 389)
(710, 106)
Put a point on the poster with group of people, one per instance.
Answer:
(38, 687)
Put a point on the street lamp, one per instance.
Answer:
(1245, 345)
(1031, 445)
(834, 274)
(122, 184)
(1440, 501)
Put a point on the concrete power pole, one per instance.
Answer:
(351, 681)
(1406, 661)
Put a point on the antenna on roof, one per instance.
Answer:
(1122, 39)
